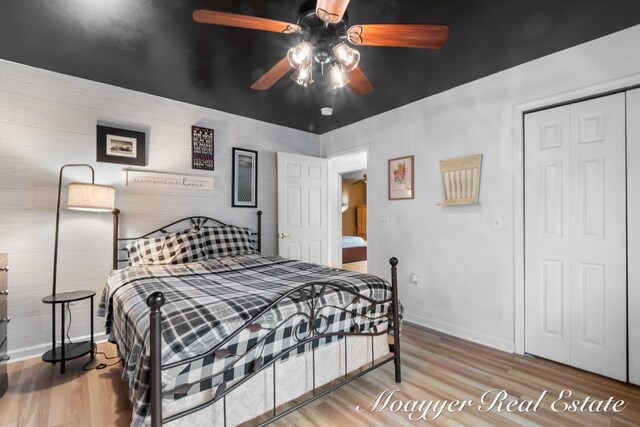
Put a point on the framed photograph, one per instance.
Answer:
(244, 191)
(202, 148)
(122, 146)
(401, 178)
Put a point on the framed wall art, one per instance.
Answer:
(461, 180)
(202, 148)
(401, 178)
(122, 146)
(244, 191)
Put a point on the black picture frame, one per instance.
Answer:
(122, 146)
(244, 185)
(202, 145)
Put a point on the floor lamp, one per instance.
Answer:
(87, 197)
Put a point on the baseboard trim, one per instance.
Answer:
(446, 328)
(457, 331)
(26, 353)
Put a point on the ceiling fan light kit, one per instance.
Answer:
(323, 27)
(303, 76)
(300, 56)
(338, 77)
(346, 56)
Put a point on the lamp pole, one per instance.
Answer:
(55, 252)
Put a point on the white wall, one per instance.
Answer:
(49, 119)
(465, 265)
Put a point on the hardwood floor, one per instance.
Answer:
(358, 266)
(435, 367)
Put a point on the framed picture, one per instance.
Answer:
(401, 178)
(201, 148)
(244, 191)
(122, 146)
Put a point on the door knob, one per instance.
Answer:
(4, 292)
(4, 269)
(283, 235)
(5, 320)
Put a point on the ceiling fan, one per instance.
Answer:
(364, 179)
(324, 28)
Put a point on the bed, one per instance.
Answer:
(224, 340)
(354, 249)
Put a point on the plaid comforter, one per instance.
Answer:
(207, 301)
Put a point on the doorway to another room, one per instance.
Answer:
(348, 237)
(354, 220)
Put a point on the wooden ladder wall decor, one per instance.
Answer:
(461, 180)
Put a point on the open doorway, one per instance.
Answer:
(354, 220)
(347, 194)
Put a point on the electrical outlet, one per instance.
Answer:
(414, 279)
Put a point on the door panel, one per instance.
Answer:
(302, 208)
(633, 212)
(575, 235)
(599, 237)
(547, 245)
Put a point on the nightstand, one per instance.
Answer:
(68, 351)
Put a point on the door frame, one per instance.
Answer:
(338, 163)
(594, 91)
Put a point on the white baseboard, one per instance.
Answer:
(20, 354)
(497, 343)
(457, 331)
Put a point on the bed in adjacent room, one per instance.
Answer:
(211, 332)
(354, 249)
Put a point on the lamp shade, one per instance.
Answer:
(91, 197)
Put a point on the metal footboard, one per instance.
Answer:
(311, 327)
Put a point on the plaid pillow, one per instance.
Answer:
(174, 248)
(228, 240)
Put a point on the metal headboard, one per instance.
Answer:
(120, 253)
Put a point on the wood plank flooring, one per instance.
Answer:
(358, 266)
(435, 367)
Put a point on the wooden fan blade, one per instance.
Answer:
(243, 21)
(359, 83)
(399, 35)
(331, 11)
(273, 75)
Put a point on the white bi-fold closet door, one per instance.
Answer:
(576, 235)
(633, 215)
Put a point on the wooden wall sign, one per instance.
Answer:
(144, 179)
(202, 148)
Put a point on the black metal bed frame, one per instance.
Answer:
(194, 221)
(311, 328)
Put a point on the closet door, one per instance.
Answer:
(547, 235)
(633, 211)
(599, 237)
(575, 235)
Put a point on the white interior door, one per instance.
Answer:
(633, 212)
(547, 238)
(575, 235)
(303, 231)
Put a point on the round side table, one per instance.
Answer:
(67, 351)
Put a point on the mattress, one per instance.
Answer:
(352, 242)
(208, 301)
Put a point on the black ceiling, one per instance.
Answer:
(154, 46)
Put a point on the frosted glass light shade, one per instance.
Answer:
(91, 197)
